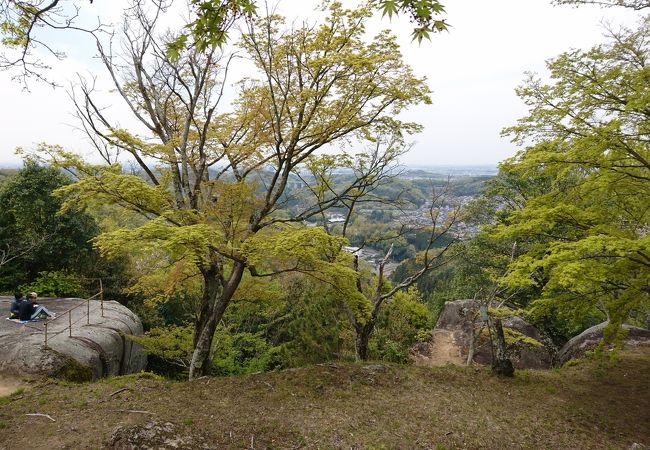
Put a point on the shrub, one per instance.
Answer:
(55, 284)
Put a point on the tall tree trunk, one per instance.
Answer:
(213, 305)
(501, 364)
(206, 323)
(363, 333)
(201, 355)
(472, 345)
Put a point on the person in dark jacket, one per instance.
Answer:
(18, 297)
(30, 310)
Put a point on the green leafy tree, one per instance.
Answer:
(589, 246)
(403, 322)
(210, 188)
(34, 237)
(212, 20)
(374, 289)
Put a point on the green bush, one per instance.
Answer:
(55, 284)
(169, 349)
(242, 353)
(403, 322)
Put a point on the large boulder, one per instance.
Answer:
(98, 345)
(528, 348)
(589, 339)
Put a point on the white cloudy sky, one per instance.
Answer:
(473, 70)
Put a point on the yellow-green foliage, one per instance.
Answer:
(573, 362)
(170, 343)
(311, 251)
(189, 242)
(585, 230)
(514, 337)
(108, 184)
(129, 380)
(212, 203)
(505, 312)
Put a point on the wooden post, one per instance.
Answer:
(70, 323)
(88, 312)
(101, 295)
(45, 327)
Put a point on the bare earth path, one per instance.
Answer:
(442, 350)
(9, 385)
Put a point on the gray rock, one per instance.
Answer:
(452, 336)
(637, 446)
(590, 338)
(155, 435)
(98, 345)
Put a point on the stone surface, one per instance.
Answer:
(155, 435)
(97, 342)
(592, 337)
(451, 337)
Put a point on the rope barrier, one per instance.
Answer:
(50, 336)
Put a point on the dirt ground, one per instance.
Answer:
(443, 350)
(593, 405)
(9, 385)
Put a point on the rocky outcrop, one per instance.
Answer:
(590, 338)
(452, 339)
(98, 345)
(155, 435)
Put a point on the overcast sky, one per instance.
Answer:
(473, 70)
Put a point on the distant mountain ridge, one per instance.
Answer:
(453, 169)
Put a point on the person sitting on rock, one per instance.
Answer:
(30, 310)
(18, 297)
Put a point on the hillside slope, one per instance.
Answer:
(351, 406)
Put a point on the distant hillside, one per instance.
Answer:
(452, 170)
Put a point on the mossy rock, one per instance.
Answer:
(515, 337)
(73, 371)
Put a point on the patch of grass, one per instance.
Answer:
(81, 403)
(572, 363)
(125, 380)
(551, 389)
(523, 375)
(11, 397)
(358, 406)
